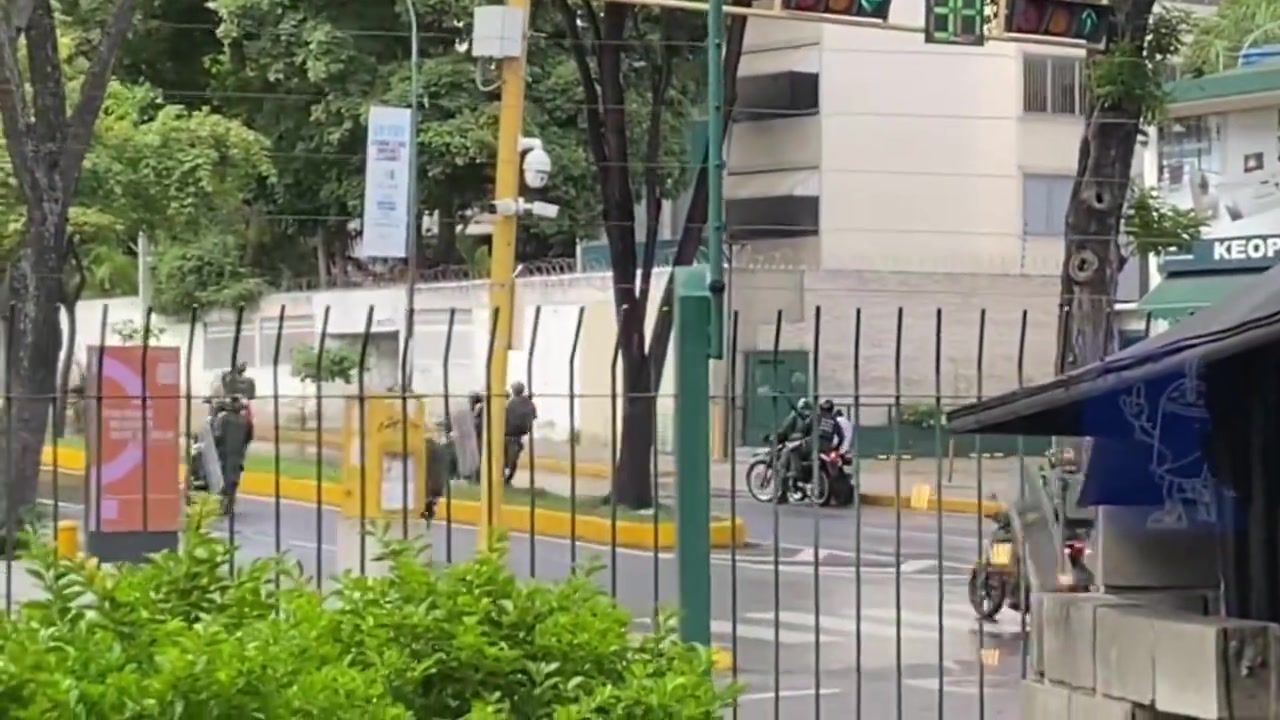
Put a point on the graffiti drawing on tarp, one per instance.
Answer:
(1172, 429)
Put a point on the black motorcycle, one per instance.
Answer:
(832, 485)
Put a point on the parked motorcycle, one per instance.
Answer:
(997, 581)
(832, 485)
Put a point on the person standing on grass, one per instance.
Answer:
(521, 414)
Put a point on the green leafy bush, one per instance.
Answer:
(180, 637)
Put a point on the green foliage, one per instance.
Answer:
(922, 415)
(208, 273)
(179, 637)
(1218, 38)
(1156, 226)
(1129, 77)
(128, 332)
(338, 363)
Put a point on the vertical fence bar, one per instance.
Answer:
(937, 451)
(533, 454)
(655, 380)
(613, 456)
(192, 319)
(489, 465)
(361, 420)
(232, 490)
(92, 485)
(782, 485)
(319, 465)
(1022, 485)
(857, 513)
(573, 440)
(731, 396)
(277, 531)
(448, 413)
(402, 386)
(897, 513)
(816, 519)
(981, 519)
(489, 514)
(146, 414)
(10, 512)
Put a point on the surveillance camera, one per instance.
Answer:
(537, 168)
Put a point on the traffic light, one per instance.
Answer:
(1064, 19)
(869, 9)
(955, 22)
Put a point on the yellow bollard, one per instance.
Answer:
(68, 538)
(921, 494)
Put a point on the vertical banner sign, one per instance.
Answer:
(385, 226)
(117, 456)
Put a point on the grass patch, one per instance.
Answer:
(546, 500)
(291, 466)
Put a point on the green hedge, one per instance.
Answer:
(181, 638)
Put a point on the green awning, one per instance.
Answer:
(1180, 295)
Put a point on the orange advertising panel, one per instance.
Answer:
(133, 439)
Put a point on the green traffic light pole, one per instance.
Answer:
(699, 329)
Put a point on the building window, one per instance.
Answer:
(1054, 85)
(1045, 199)
(1188, 147)
(220, 343)
(294, 333)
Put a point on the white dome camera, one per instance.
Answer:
(537, 168)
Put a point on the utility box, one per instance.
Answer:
(497, 32)
(383, 457)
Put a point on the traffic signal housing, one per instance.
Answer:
(1066, 19)
(867, 9)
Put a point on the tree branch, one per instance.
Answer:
(48, 91)
(660, 83)
(619, 201)
(93, 92)
(13, 109)
(589, 86)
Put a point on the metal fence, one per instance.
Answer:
(856, 611)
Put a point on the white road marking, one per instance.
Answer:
(810, 692)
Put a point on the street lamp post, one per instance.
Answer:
(411, 241)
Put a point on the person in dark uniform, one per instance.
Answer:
(231, 430)
(521, 414)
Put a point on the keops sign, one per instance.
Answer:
(1241, 209)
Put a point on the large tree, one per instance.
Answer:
(634, 144)
(47, 139)
(1106, 210)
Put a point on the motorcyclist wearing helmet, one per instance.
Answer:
(809, 426)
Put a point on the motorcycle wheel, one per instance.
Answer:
(820, 491)
(762, 481)
(987, 592)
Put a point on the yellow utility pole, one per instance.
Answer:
(502, 288)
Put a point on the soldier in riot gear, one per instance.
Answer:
(231, 433)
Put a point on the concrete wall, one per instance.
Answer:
(922, 149)
(1146, 656)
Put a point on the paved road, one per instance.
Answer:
(879, 643)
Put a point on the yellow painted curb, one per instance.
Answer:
(964, 506)
(638, 535)
(721, 659)
(634, 534)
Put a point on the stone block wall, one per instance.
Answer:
(1148, 656)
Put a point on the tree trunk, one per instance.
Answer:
(35, 343)
(639, 419)
(1092, 261)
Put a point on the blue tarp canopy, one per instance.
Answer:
(1144, 406)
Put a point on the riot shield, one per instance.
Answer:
(209, 459)
(465, 446)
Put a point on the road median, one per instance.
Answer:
(922, 499)
(587, 524)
